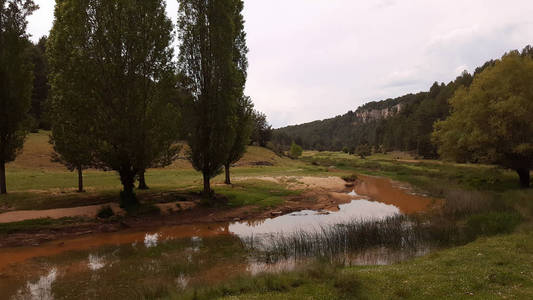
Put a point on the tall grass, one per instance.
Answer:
(460, 221)
(397, 232)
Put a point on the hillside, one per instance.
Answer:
(37, 154)
(404, 123)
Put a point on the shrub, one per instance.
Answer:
(296, 151)
(105, 212)
(350, 178)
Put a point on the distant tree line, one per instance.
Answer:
(486, 117)
(107, 85)
(409, 129)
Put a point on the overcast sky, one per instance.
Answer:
(314, 59)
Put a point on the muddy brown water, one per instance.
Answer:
(53, 269)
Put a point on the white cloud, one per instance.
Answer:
(314, 59)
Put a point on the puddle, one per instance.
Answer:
(122, 264)
(311, 221)
(387, 192)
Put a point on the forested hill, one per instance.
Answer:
(403, 123)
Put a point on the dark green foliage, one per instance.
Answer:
(213, 61)
(40, 86)
(243, 128)
(296, 151)
(111, 76)
(16, 80)
(492, 120)
(350, 178)
(345, 149)
(105, 212)
(363, 150)
(262, 131)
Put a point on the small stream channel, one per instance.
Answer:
(128, 263)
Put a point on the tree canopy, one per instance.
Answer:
(115, 59)
(213, 61)
(492, 120)
(16, 80)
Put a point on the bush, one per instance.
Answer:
(363, 150)
(296, 151)
(350, 178)
(105, 212)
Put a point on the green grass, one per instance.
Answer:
(490, 268)
(34, 182)
(38, 224)
(256, 192)
(430, 176)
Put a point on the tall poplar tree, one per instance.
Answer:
(114, 57)
(213, 59)
(16, 80)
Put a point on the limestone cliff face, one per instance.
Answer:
(368, 115)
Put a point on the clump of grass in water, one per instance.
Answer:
(398, 232)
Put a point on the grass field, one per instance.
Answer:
(35, 182)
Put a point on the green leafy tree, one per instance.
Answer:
(492, 121)
(363, 150)
(16, 80)
(243, 129)
(262, 131)
(345, 149)
(295, 151)
(211, 58)
(115, 59)
(40, 86)
(71, 135)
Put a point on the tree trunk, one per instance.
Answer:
(207, 186)
(3, 187)
(80, 180)
(524, 177)
(127, 196)
(228, 178)
(142, 182)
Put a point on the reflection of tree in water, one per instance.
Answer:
(255, 223)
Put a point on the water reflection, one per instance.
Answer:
(41, 290)
(310, 221)
(192, 254)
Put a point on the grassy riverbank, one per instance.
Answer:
(499, 267)
(496, 265)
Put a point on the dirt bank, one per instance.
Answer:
(320, 194)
